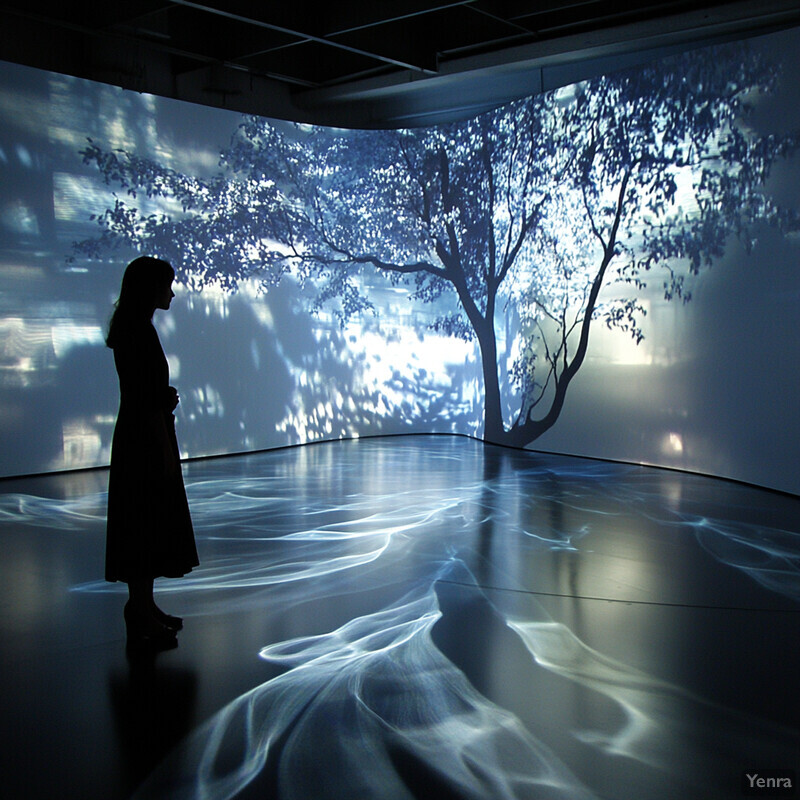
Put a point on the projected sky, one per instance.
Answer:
(522, 276)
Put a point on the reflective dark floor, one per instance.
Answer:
(409, 617)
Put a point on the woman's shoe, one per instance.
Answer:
(145, 630)
(167, 620)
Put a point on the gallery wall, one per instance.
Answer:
(334, 284)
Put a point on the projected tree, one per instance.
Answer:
(557, 209)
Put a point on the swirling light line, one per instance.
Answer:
(371, 709)
(400, 708)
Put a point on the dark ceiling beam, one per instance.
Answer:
(140, 47)
(101, 53)
(303, 37)
(631, 14)
(500, 76)
(385, 20)
(372, 23)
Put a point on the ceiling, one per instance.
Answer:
(367, 64)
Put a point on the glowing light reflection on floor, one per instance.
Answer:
(374, 705)
(366, 710)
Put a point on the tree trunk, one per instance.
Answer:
(493, 428)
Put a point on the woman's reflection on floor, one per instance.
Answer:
(154, 708)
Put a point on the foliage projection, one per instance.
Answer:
(552, 212)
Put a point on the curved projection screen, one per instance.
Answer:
(608, 270)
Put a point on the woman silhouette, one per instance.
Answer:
(149, 531)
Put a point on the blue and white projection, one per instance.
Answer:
(609, 269)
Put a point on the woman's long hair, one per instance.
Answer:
(143, 279)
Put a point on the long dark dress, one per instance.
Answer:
(149, 532)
